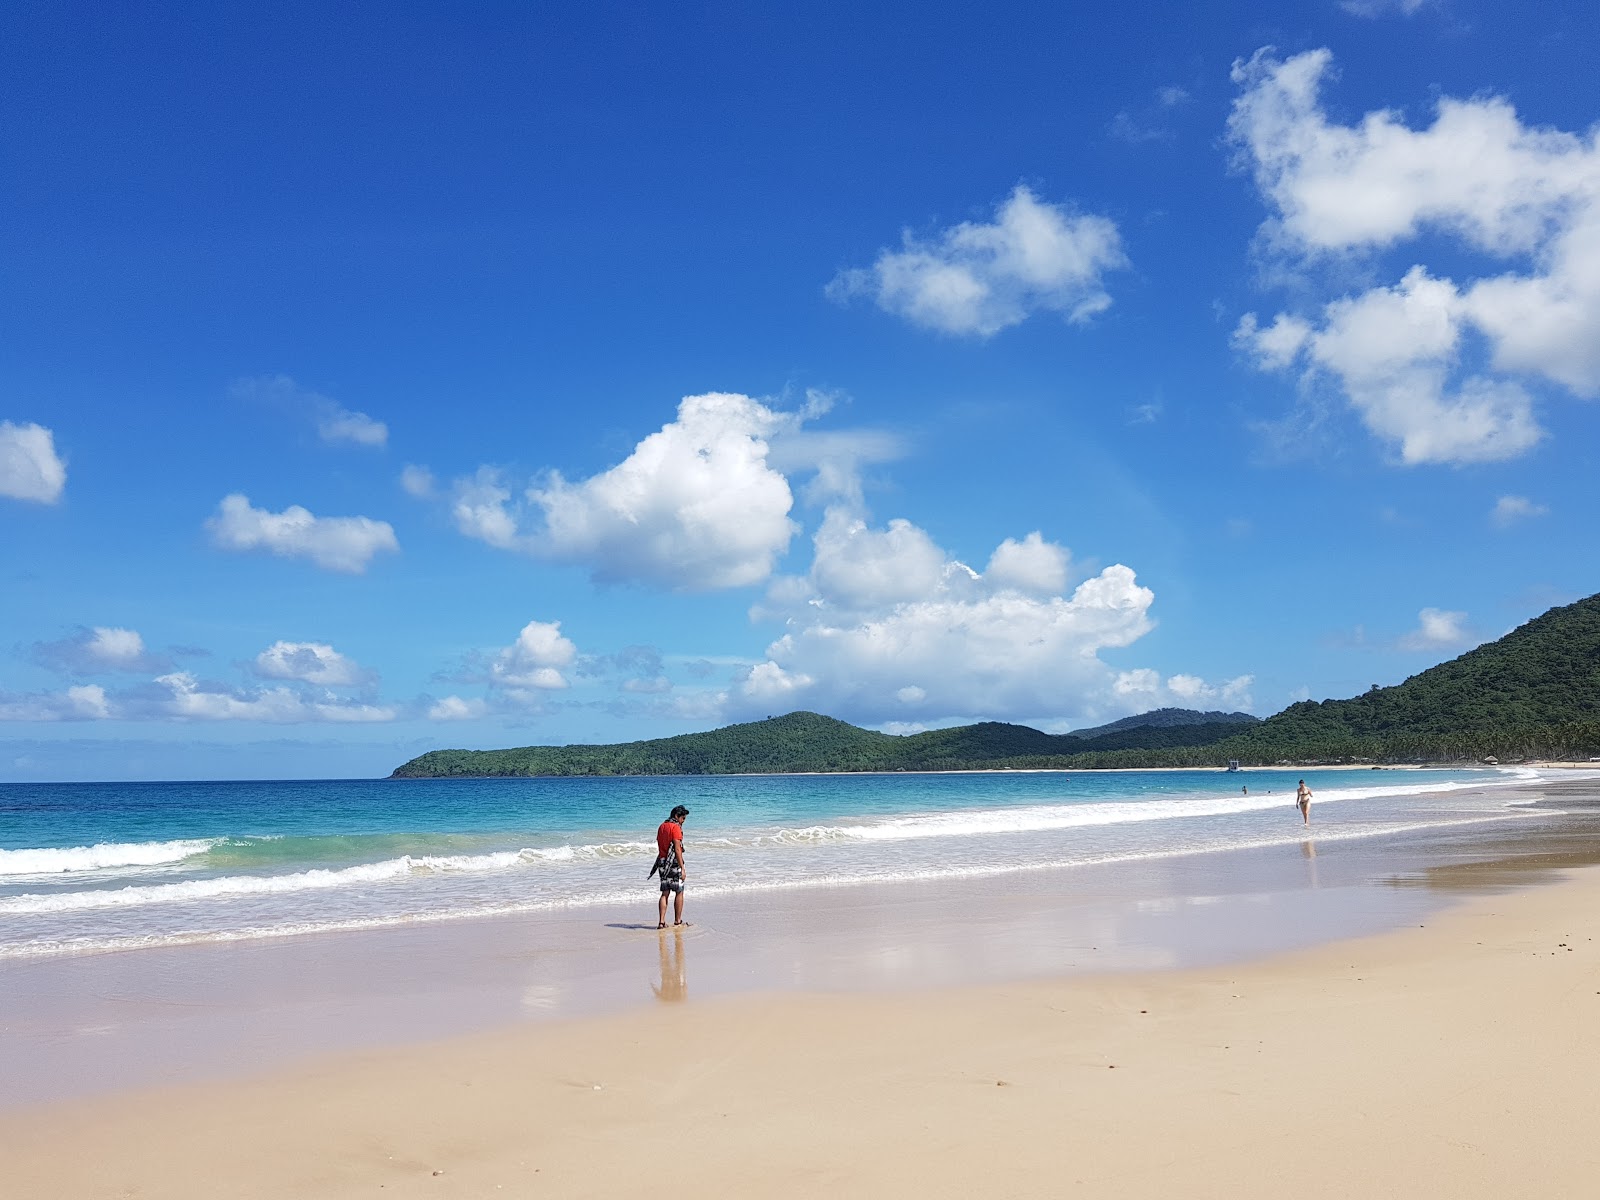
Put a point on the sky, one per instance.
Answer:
(382, 378)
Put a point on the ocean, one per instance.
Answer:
(120, 866)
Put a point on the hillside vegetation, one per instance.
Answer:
(1534, 693)
(806, 741)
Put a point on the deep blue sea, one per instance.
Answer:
(91, 866)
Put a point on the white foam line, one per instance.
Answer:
(100, 856)
(632, 897)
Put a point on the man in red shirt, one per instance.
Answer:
(669, 864)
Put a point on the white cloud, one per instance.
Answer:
(976, 279)
(88, 702)
(1508, 510)
(1143, 689)
(479, 508)
(190, 699)
(1437, 629)
(30, 469)
(535, 659)
(334, 422)
(836, 457)
(1373, 9)
(696, 506)
(336, 543)
(417, 481)
(887, 621)
(342, 425)
(859, 567)
(96, 651)
(310, 662)
(454, 708)
(1031, 565)
(1406, 355)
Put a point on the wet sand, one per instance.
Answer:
(1215, 1024)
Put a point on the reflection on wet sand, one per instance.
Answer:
(674, 985)
(1308, 851)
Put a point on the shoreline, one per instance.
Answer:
(73, 1025)
(1451, 1057)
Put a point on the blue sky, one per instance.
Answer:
(481, 375)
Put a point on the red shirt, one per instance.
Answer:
(669, 833)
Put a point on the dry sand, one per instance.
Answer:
(1453, 1060)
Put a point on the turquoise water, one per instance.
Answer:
(125, 865)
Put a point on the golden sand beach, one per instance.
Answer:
(1453, 1059)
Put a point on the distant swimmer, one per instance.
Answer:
(1302, 797)
(669, 865)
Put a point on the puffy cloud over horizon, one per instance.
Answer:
(1407, 355)
(30, 468)
(192, 699)
(311, 662)
(975, 279)
(888, 628)
(345, 544)
(535, 660)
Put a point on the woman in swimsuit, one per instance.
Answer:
(1303, 798)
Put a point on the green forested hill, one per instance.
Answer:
(1533, 693)
(1540, 685)
(805, 741)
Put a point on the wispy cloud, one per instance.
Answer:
(1509, 510)
(335, 424)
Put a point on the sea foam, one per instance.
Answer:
(101, 856)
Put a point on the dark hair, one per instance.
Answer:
(679, 813)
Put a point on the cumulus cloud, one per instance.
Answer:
(30, 469)
(311, 662)
(335, 543)
(86, 702)
(887, 626)
(1437, 629)
(334, 422)
(1438, 368)
(696, 506)
(454, 708)
(975, 279)
(1031, 565)
(97, 651)
(191, 699)
(1508, 510)
(180, 696)
(1143, 689)
(535, 659)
